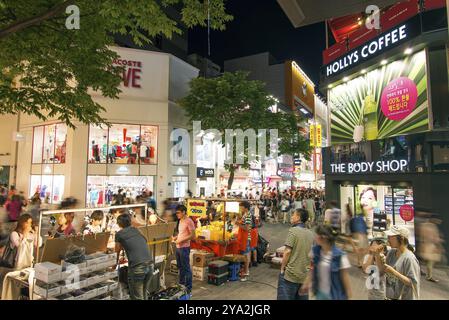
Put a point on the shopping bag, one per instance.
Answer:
(8, 259)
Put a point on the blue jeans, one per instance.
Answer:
(139, 277)
(288, 290)
(183, 263)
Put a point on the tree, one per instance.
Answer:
(47, 69)
(234, 102)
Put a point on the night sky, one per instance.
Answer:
(259, 26)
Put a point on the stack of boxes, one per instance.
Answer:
(93, 278)
(218, 272)
(200, 261)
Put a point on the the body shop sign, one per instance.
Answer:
(132, 72)
(391, 166)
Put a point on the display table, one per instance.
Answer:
(219, 248)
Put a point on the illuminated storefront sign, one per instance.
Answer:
(131, 73)
(371, 167)
(385, 102)
(384, 42)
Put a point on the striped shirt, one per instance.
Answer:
(249, 223)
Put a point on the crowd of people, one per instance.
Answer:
(314, 261)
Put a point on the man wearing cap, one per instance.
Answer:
(402, 267)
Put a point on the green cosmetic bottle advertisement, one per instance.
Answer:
(370, 118)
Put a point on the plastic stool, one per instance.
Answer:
(234, 270)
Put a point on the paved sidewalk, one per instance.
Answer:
(263, 279)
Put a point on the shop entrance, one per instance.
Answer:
(382, 205)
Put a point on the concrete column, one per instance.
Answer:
(76, 163)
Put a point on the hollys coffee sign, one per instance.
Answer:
(386, 41)
(132, 72)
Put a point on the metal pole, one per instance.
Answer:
(224, 221)
(16, 156)
(327, 33)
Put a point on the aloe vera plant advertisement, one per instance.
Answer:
(382, 103)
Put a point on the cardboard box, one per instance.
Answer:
(200, 273)
(112, 274)
(47, 290)
(91, 269)
(65, 297)
(93, 280)
(66, 265)
(102, 288)
(79, 295)
(90, 293)
(48, 278)
(202, 259)
(48, 272)
(112, 285)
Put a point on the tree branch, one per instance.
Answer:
(23, 24)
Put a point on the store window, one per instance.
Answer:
(98, 144)
(49, 144)
(101, 190)
(148, 147)
(180, 186)
(124, 141)
(180, 149)
(440, 157)
(49, 187)
(123, 144)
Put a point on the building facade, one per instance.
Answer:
(136, 152)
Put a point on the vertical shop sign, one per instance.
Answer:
(319, 136)
(312, 135)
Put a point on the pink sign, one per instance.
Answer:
(406, 212)
(399, 99)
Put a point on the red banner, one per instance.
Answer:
(334, 52)
(361, 36)
(434, 4)
(398, 13)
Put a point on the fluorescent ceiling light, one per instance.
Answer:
(384, 62)
(408, 51)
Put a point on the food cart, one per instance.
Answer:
(214, 237)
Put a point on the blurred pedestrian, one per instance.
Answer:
(359, 232)
(430, 247)
(402, 267)
(14, 207)
(373, 265)
(329, 276)
(244, 236)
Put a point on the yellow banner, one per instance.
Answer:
(196, 208)
(312, 135)
(319, 136)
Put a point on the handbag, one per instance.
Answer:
(9, 256)
(123, 275)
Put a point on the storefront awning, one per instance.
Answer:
(306, 12)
